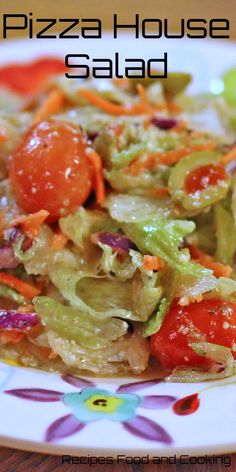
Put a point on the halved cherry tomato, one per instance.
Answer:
(30, 77)
(204, 177)
(215, 320)
(50, 170)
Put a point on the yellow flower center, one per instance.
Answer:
(103, 404)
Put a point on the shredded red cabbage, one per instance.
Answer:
(12, 319)
(116, 241)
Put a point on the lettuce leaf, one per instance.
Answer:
(223, 364)
(163, 238)
(204, 234)
(154, 323)
(134, 208)
(225, 235)
(78, 326)
(226, 289)
(102, 298)
(114, 268)
(127, 354)
(43, 257)
(79, 225)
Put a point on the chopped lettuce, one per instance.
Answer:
(110, 264)
(169, 281)
(204, 234)
(163, 238)
(223, 364)
(225, 235)
(77, 325)
(99, 299)
(102, 298)
(124, 182)
(79, 225)
(127, 354)
(134, 208)
(226, 289)
(44, 257)
(154, 323)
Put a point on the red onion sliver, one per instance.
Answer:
(8, 259)
(12, 319)
(164, 123)
(116, 241)
(11, 235)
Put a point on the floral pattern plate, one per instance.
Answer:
(78, 415)
(47, 412)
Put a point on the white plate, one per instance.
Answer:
(47, 413)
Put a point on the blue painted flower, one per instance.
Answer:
(89, 403)
(93, 404)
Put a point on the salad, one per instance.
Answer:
(117, 224)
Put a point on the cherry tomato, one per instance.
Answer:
(215, 320)
(30, 77)
(204, 177)
(50, 170)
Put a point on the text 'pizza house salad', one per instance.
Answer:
(117, 224)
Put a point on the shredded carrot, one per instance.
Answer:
(108, 107)
(115, 109)
(173, 108)
(52, 104)
(96, 165)
(147, 121)
(157, 192)
(181, 126)
(28, 291)
(13, 337)
(197, 134)
(2, 223)
(30, 223)
(140, 165)
(143, 98)
(26, 308)
(59, 241)
(166, 158)
(219, 269)
(230, 156)
(153, 263)
(171, 157)
(117, 130)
